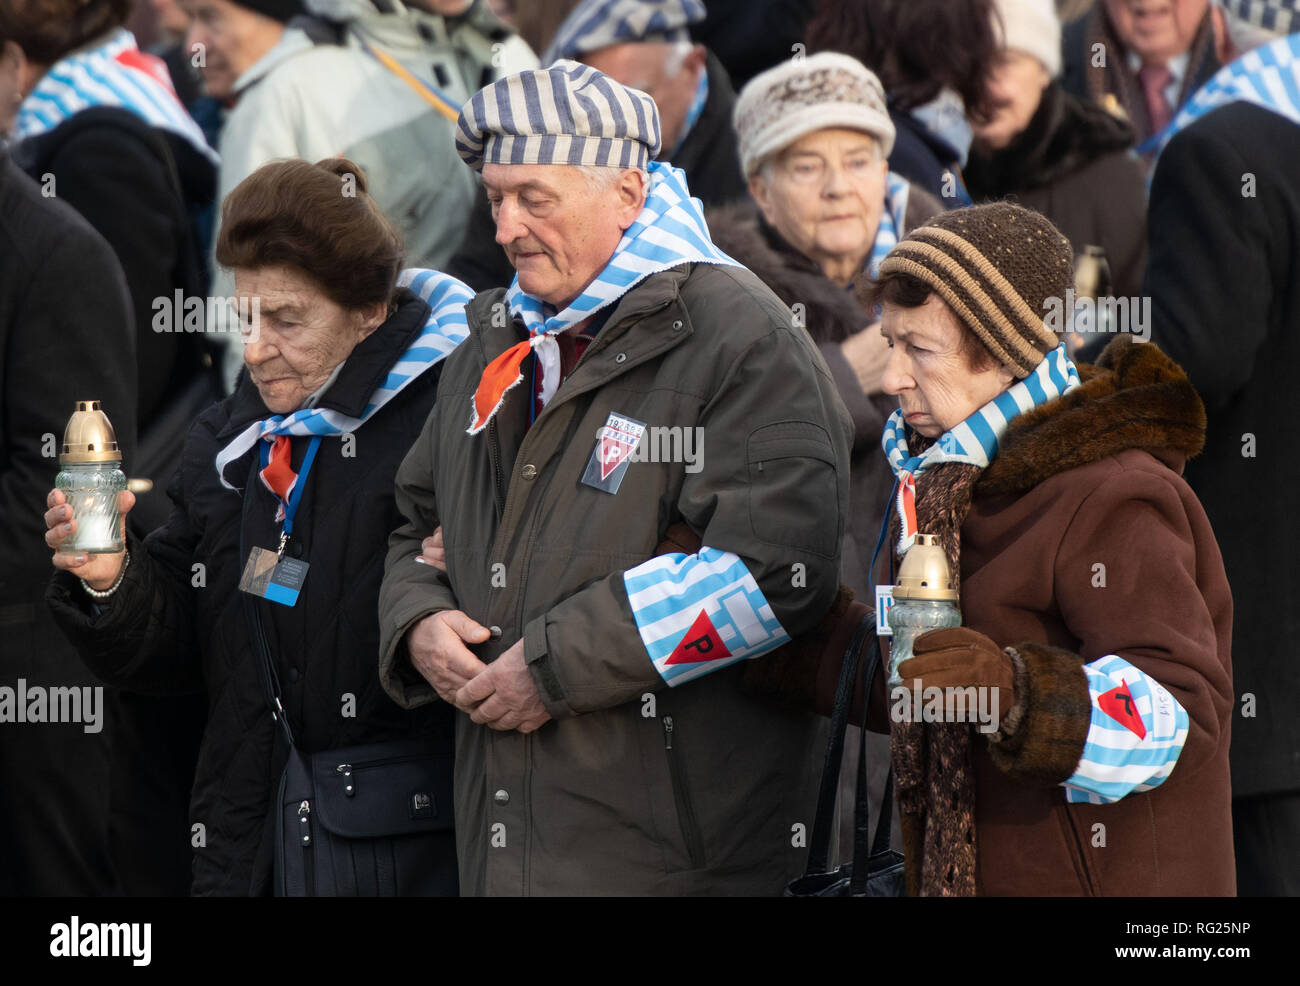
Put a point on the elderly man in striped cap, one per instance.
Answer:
(646, 45)
(632, 377)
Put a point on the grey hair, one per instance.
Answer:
(600, 178)
(677, 53)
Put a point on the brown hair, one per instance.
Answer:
(319, 219)
(916, 47)
(907, 291)
(46, 30)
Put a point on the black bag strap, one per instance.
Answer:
(862, 851)
(249, 603)
(823, 822)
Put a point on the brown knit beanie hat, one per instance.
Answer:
(996, 266)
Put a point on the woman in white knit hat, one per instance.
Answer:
(814, 135)
(1051, 152)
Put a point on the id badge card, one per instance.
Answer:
(884, 600)
(615, 443)
(269, 576)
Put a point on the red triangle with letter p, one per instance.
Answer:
(700, 644)
(1120, 705)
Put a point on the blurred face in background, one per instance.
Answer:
(824, 194)
(172, 20)
(227, 40)
(1157, 30)
(1016, 85)
(668, 73)
(11, 83)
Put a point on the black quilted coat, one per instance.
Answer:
(180, 597)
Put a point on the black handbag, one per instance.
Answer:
(876, 870)
(373, 820)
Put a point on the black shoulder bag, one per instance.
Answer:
(876, 870)
(373, 820)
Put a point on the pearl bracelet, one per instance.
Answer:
(105, 593)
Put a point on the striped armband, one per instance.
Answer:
(1137, 732)
(698, 613)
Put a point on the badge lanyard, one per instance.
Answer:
(291, 508)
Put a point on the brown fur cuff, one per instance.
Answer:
(1042, 736)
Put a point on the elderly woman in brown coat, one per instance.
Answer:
(1096, 613)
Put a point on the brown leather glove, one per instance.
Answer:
(959, 657)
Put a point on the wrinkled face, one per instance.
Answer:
(1016, 83)
(301, 334)
(557, 230)
(658, 70)
(1157, 30)
(928, 373)
(225, 39)
(825, 193)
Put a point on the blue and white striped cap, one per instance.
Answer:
(596, 24)
(566, 114)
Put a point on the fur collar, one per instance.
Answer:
(1135, 397)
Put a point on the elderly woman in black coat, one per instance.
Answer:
(341, 356)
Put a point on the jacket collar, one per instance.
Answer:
(365, 369)
(494, 335)
(292, 42)
(1135, 397)
(1064, 135)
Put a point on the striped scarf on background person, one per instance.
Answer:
(669, 231)
(1268, 76)
(114, 73)
(443, 331)
(891, 222)
(975, 440)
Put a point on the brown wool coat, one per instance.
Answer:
(1094, 479)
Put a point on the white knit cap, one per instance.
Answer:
(1032, 26)
(802, 95)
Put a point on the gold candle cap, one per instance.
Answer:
(89, 436)
(924, 573)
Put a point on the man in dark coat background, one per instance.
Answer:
(1224, 245)
(53, 822)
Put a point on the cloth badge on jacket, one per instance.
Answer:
(615, 443)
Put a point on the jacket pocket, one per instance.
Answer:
(1075, 847)
(793, 485)
(682, 794)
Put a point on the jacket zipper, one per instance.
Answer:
(304, 840)
(494, 457)
(685, 810)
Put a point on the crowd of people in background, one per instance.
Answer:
(835, 150)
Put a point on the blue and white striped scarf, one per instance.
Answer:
(443, 331)
(975, 440)
(115, 73)
(669, 231)
(1268, 76)
(891, 222)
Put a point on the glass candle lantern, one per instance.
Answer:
(91, 478)
(924, 599)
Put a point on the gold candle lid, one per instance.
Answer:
(89, 436)
(924, 573)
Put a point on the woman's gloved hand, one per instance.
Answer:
(959, 657)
